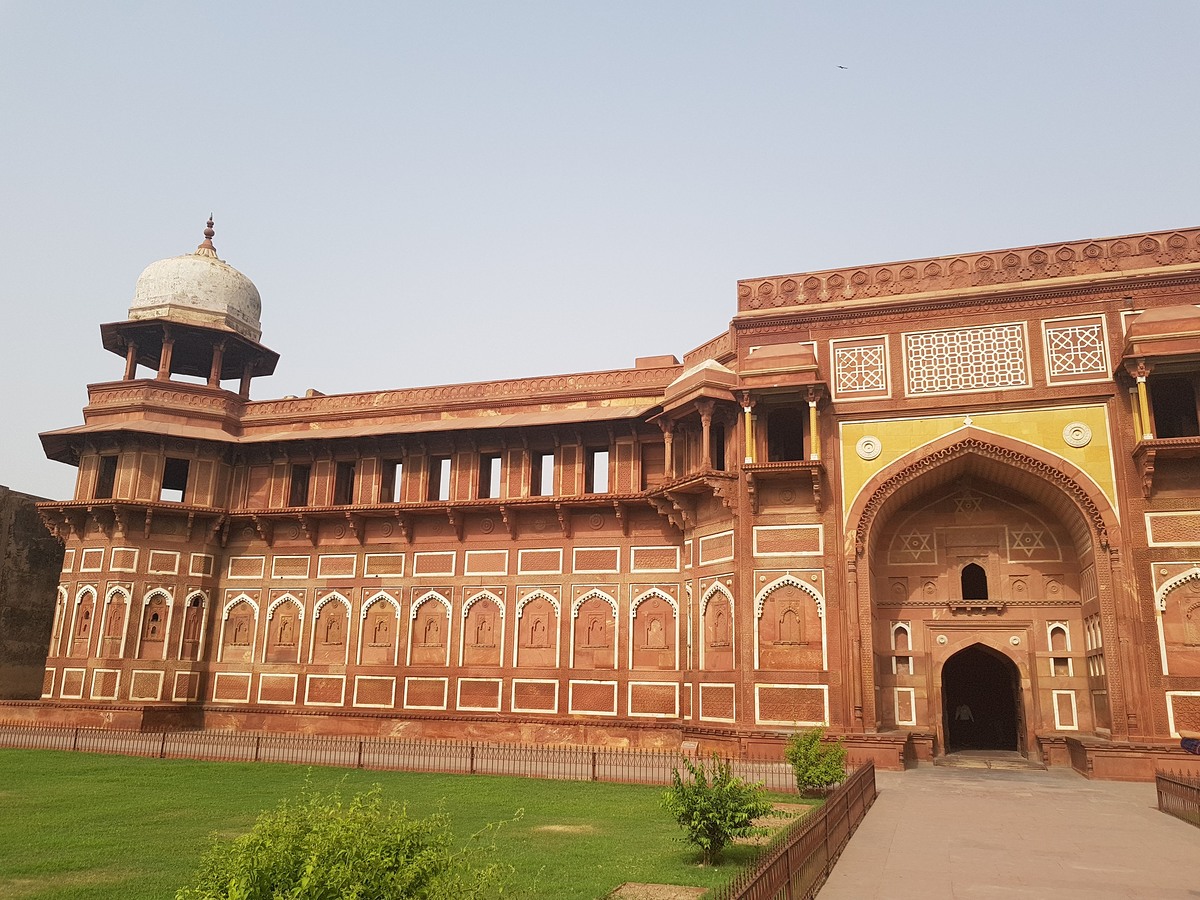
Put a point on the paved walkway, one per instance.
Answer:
(980, 834)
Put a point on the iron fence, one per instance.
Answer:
(797, 862)
(567, 762)
(1179, 795)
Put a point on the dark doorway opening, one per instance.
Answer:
(981, 692)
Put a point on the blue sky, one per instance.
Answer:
(451, 191)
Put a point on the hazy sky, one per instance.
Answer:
(446, 191)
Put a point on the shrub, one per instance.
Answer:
(320, 847)
(713, 806)
(817, 765)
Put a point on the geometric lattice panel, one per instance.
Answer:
(965, 359)
(860, 368)
(1075, 350)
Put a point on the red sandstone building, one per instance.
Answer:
(929, 505)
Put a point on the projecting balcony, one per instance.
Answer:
(810, 471)
(1148, 453)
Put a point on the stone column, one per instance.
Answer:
(747, 407)
(706, 411)
(164, 358)
(218, 357)
(131, 361)
(244, 390)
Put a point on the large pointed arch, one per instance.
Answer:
(1073, 497)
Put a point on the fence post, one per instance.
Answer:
(257, 745)
(360, 748)
(593, 765)
(472, 759)
(162, 747)
(75, 739)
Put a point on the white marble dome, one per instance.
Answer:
(199, 289)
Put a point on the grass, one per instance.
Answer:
(78, 826)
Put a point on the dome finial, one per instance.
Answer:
(206, 247)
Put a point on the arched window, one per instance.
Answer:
(974, 582)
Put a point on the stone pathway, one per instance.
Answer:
(937, 833)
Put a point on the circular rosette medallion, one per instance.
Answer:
(1077, 434)
(869, 447)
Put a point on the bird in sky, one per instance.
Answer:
(843, 67)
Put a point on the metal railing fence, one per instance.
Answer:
(1179, 795)
(562, 762)
(797, 861)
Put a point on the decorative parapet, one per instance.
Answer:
(718, 348)
(615, 384)
(114, 395)
(948, 273)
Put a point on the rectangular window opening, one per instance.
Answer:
(595, 476)
(301, 475)
(716, 447)
(343, 483)
(489, 476)
(106, 478)
(541, 482)
(785, 434)
(389, 485)
(439, 478)
(174, 481)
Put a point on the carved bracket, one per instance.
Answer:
(265, 529)
(622, 519)
(311, 528)
(456, 521)
(726, 490)
(509, 518)
(358, 526)
(404, 523)
(752, 490)
(670, 506)
(564, 519)
(1145, 458)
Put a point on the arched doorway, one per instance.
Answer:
(981, 697)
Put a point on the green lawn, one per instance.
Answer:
(84, 826)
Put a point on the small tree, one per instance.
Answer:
(817, 765)
(319, 847)
(713, 806)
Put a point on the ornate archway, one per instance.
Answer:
(972, 582)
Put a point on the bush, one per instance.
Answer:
(714, 806)
(817, 765)
(319, 847)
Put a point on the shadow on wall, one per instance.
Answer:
(30, 564)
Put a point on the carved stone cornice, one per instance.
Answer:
(1131, 255)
